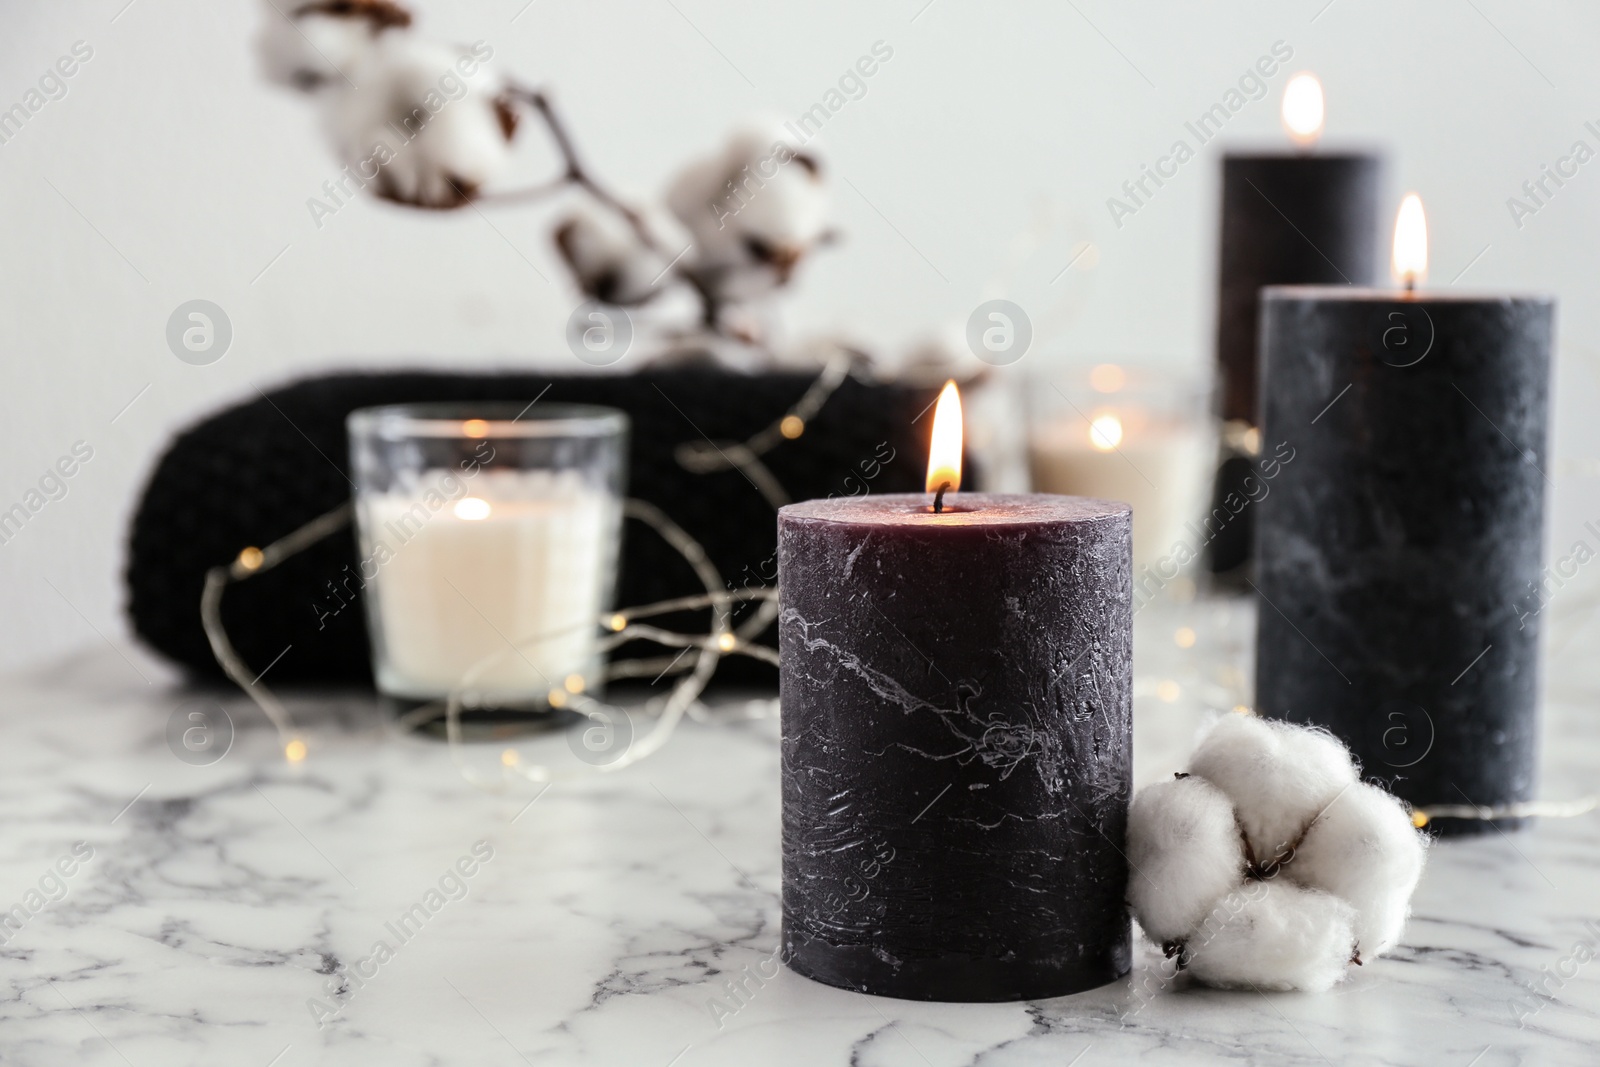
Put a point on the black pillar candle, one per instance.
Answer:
(956, 693)
(1396, 552)
(1286, 220)
(1307, 219)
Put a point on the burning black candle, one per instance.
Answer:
(1302, 218)
(956, 690)
(1306, 218)
(1398, 550)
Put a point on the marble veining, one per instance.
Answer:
(633, 919)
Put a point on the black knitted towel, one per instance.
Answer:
(254, 472)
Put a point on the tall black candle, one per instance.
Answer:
(1398, 548)
(1305, 219)
(956, 694)
(1286, 219)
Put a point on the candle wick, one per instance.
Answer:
(1411, 283)
(938, 498)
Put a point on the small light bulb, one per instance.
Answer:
(726, 642)
(557, 698)
(618, 622)
(792, 426)
(251, 558)
(295, 751)
(1419, 819)
(510, 758)
(1184, 637)
(475, 428)
(574, 683)
(1168, 691)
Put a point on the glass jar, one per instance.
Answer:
(489, 538)
(1138, 434)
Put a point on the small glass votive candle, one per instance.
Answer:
(489, 538)
(1136, 434)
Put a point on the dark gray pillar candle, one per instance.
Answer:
(1287, 220)
(1397, 550)
(956, 695)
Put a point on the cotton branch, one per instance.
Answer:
(575, 173)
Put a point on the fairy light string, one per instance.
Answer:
(724, 639)
(250, 562)
(618, 627)
(704, 457)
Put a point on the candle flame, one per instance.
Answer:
(1105, 433)
(471, 508)
(944, 451)
(1410, 263)
(1303, 109)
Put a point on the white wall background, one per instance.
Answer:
(978, 163)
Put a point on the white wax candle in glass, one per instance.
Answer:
(1130, 433)
(490, 533)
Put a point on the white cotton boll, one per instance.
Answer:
(608, 260)
(1184, 855)
(1364, 850)
(753, 210)
(1279, 776)
(308, 46)
(1274, 935)
(425, 122)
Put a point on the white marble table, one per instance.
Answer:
(614, 913)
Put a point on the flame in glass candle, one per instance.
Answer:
(1105, 432)
(1302, 109)
(472, 508)
(944, 452)
(1410, 262)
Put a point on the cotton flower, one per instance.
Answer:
(1280, 937)
(1271, 865)
(1280, 776)
(608, 260)
(427, 122)
(1364, 849)
(753, 211)
(1185, 851)
(308, 46)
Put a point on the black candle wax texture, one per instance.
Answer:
(956, 745)
(1287, 220)
(1399, 553)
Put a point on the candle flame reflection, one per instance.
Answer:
(1410, 262)
(944, 451)
(1303, 109)
(1105, 433)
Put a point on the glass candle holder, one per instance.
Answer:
(489, 539)
(1136, 434)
